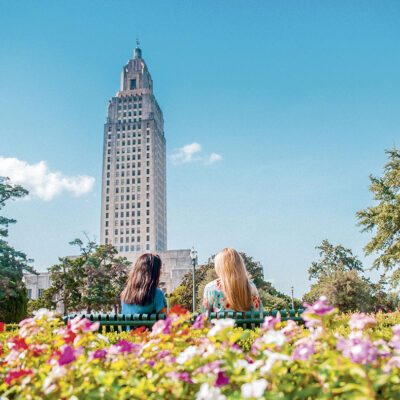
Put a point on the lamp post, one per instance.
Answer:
(292, 298)
(193, 256)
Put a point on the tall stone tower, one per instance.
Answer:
(134, 215)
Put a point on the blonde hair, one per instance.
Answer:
(230, 268)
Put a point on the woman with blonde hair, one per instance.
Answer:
(232, 291)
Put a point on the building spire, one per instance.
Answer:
(138, 51)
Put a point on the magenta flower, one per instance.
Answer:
(319, 307)
(100, 353)
(67, 355)
(125, 346)
(199, 321)
(303, 351)
(222, 380)
(152, 363)
(269, 323)
(361, 321)
(184, 376)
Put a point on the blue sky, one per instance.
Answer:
(300, 99)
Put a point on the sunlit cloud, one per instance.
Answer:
(191, 153)
(41, 182)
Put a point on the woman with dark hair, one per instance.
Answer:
(141, 295)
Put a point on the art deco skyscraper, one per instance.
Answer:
(133, 210)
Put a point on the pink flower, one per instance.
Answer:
(124, 346)
(291, 328)
(184, 376)
(163, 326)
(395, 343)
(361, 321)
(359, 350)
(319, 307)
(222, 380)
(269, 323)
(67, 355)
(393, 362)
(396, 329)
(199, 321)
(82, 325)
(208, 368)
(303, 351)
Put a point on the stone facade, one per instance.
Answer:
(134, 213)
(35, 284)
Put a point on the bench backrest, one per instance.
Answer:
(246, 320)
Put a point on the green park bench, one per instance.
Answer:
(246, 320)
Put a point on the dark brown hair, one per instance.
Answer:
(143, 280)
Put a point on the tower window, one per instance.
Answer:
(133, 84)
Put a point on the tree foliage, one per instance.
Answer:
(383, 218)
(92, 281)
(344, 289)
(205, 273)
(13, 263)
(333, 259)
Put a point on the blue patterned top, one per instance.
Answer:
(214, 299)
(159, 302)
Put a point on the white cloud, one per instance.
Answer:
(214, 157)
(186, 153)
(41, 182)
(191, 152)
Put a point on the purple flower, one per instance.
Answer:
(361, 321)
(67, 355)
(208, 368)
(125, 346)
(199, 321)
(393, 362)
(100, 353)
(303, 351)
(162, 354)
(319, 307)
(152, 363)
(269, 323)
(222, 380)
(360, 351)
(396, 329)
(184, 376)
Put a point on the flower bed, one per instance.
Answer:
(351, 356)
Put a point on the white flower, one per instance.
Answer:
(271, 360)
(209, 393)
(186, 355)
(39, 314)
(247, 366)
(275, 337)
(220, 324)
(254, 389)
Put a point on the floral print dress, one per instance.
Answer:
(214, 299)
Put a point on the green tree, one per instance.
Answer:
(345, 290)
(383, 218)
(332, 259)
(337, 274)
(93, 280)
(13, 263)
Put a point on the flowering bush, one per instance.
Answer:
(206, 360)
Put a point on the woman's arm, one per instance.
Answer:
(163, 311)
